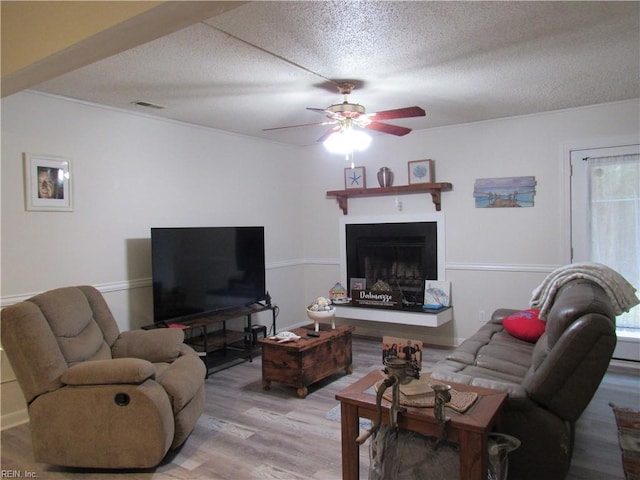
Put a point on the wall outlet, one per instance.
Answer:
(482, 317)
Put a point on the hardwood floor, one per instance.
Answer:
(248, 433)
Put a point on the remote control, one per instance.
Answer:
(313, 334)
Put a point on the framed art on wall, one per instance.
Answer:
(354, 178)
(503, 192)
(47, 183)
(421, 171)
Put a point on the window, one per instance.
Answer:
(605, 214)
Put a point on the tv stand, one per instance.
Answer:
(218, 345)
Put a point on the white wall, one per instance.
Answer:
(132, 172)
(494, 257)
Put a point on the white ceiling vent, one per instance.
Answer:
(140, 103)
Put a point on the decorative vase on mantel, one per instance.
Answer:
(385, 177)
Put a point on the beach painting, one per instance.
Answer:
(504, 192)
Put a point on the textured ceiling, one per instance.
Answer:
(261, 64)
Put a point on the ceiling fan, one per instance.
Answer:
(346, 115)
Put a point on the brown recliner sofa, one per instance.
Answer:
(549, 382)
(96, 397)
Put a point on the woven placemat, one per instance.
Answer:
(460, 401)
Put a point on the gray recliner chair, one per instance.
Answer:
(96, 397)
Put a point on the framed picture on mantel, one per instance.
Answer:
(421, 171)
(354, 178)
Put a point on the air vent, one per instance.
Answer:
(140, 103)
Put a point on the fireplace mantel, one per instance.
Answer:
(342, 196)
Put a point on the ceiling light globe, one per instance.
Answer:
(347, 141)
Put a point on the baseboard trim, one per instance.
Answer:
(617, 365)
(14, 419)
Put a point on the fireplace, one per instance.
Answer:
(401, 250)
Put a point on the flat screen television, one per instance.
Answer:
(200, 270)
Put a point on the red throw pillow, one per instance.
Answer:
(525, 325)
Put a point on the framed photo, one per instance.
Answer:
(357, 284)
(354, 178)
(421, 171)
(47, 181)
(410, 350)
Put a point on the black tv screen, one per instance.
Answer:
(200, 270)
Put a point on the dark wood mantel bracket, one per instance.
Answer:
(435, 189)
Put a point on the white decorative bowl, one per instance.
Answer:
(322, 315)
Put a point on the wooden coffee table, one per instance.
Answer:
(308, 360)
(469, 429)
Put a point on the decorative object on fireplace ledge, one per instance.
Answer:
(322, 310)
(421, 171)
(47, 182)
(436, 294)
(357, 284)
(354, 178)
(338, 294)
(381, 286)
(385, 177)
(391, 299)
(504, 192)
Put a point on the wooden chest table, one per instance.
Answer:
(303, 362)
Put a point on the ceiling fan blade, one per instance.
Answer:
(337, 116)
(328, 132)
(407, 112)
(296, 126)
(388, 128)
(319, 110)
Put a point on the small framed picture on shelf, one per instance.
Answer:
(47, 181)
(357, 284)
(421, 171)
(354, 178)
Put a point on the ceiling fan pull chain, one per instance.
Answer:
(346, 157)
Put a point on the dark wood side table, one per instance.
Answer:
(303, 362)
(469, 429)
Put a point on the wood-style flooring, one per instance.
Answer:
(248, 433)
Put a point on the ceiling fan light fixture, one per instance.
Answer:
(347, 140)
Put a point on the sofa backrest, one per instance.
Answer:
(46, 334)
(573, 354)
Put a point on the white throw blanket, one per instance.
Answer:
(620, 291)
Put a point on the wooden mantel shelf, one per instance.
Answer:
(342, 196)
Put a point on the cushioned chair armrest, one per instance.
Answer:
(502, 313)
(514, 390)
(187, 350)
(109, 372)
(159, 345)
